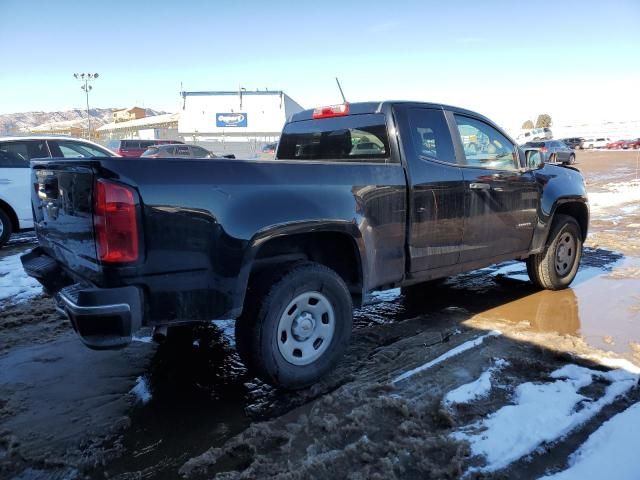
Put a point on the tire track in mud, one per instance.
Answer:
(370, 428)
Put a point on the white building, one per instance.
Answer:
(238, 122)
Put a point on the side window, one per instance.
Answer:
(430, 135)
(79, 150)
(182, 151)
(18, 154)
(199, 152)
(484, 146)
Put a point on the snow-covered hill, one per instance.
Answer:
(16, 123)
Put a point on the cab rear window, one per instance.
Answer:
(352, 138)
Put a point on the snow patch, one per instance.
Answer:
(448, 354)
(542, 412)
(15, 285)
(146, 339)
(609, 452)
(385, 295)
(475, 390)
(228, 328)
(617, 194)
(141, 390)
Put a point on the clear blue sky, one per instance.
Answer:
(507, 59)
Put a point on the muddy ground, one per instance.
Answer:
(174, 410)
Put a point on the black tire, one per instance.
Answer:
(261, 338)
(552, 158)
(571, 160)
(6, 228)
(553, 268)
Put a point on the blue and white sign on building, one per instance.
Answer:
(231, 120)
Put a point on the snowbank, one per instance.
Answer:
(15, 285)
(609, 452)
(541, 412)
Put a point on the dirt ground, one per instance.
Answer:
(169, 411)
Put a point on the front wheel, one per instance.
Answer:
(296, 327)
(572, 160)
(5, 227)
(557, 265)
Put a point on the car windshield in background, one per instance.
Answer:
(352, 138)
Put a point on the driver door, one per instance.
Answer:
(501, 198)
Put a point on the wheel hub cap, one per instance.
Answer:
(303, 326)
(306, 328)
(565, 254)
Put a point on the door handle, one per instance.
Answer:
(479, 186)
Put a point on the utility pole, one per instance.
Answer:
(84, 79)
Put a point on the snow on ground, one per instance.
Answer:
(446, 355)
(617, 194)
(15, 285)
(609, 452)
(385, 295)
(141, 390)
(228, 328)
(541, 412)
(477, 389)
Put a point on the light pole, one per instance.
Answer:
(84, 79)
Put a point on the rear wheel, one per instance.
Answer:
(296, 325)
(572, 160)
(557, 265)
(5, 228)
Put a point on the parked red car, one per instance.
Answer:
(135, 148)
(635, 143)
(616, 145)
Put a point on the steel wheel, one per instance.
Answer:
(306, 328)
(565, 253)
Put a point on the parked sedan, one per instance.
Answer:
(554, 151)
(179, 151)
(15, 175)
(574, 142)
(617, 145)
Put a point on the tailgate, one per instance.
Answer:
(62, 200)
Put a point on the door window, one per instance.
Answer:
(484, 146)
(430, 135)
(79, 150)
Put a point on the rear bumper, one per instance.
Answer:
(104, 318)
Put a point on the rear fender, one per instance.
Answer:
(286, 230)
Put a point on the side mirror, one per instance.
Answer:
(534, 158)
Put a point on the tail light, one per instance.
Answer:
(116, 222)
(331, 111)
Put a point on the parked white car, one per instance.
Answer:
(15, 175)
(596, 142)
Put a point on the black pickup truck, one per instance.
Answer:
(359, 197)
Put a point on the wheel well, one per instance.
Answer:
(15, 224)
(577, 210)
(337, 251)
